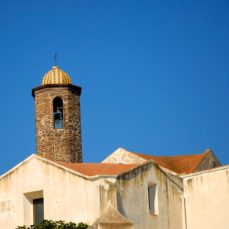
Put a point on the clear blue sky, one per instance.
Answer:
(155, 74)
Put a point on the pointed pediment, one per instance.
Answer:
(122, 156)
(111, 215)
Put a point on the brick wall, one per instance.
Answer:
(61, 145)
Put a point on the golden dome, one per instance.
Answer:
(56, 76)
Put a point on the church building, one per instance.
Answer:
(127, 190)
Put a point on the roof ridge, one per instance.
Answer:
(99, 163)
(177, 163)
(101, 169)
(179, 155)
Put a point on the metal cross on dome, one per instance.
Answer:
(55, 58)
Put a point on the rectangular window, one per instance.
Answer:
(38, 210)
(152, 197)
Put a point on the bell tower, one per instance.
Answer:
(57, 111)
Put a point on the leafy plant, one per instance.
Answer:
(49, 224)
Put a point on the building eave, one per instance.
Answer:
(225, 167)
(91, 178)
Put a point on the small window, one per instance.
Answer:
(152, 197)
(58, 113)
(38, 210)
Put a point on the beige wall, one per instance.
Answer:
(73, 197)
(66, 196)
(134, 193)
(70, 197)
(207, 199)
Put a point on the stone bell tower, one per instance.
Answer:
(57, 111)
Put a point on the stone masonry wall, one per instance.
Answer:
(60, 145)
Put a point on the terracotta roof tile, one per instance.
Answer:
(179, 164)
(92, 169)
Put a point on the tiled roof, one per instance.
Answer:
(56, 76)
(92, 169)
(179, 164)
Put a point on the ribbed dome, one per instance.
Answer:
(56, 76)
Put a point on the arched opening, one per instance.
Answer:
(58, 113)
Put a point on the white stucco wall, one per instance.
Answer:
(207, 199)
(204, 203)
(134, 192)
(71, 197)
(66, 196)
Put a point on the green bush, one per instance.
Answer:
(49, 224)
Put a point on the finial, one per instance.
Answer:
(55, 59)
